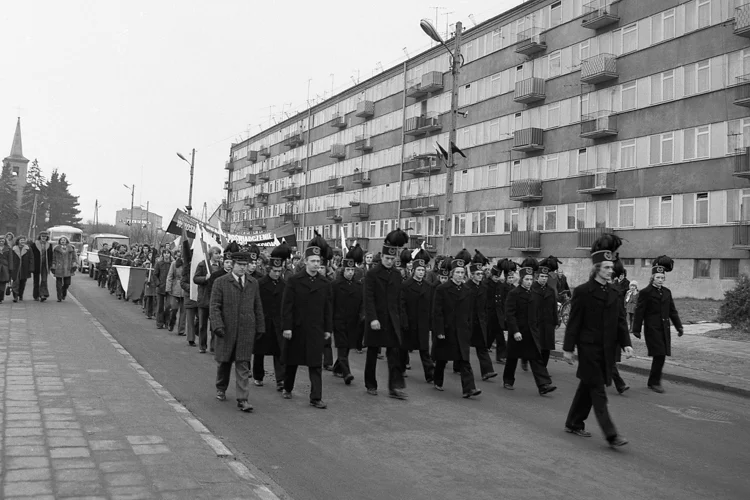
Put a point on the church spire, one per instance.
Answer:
(16, 150)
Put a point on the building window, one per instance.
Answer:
(628, 96)
(555, 17)
(630, 38)
(492, 176)
(459, 224)
(626, 213)
(646, 263)
(738, 205)
(662, 87)
(729, 269)
(628, 262)
(697, 142)
(702, 268)
(553, 115)
(627, 154)
(698, 77)
(554, 65)
(550, 218)
(511, 220)
(704, 13)
(491, 218)
(660, 211)
(695, 208)
(662, 148)
(662, 26)
(582, 160)
(475, 223)
(549, 167)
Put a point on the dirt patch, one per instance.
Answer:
(728, 334)
(697, 310)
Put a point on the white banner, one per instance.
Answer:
(124, 273)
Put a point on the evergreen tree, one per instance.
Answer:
(62, 206)
(36, 184)
(8, 207)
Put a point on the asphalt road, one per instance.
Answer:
(686, 444)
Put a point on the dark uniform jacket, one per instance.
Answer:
(306, 310)
(348, 311)
(416, 316)
(521, 316)
(653, 311)
(271, 295)
(382, 303)
(497, 293)
(160, 275)
(547, 311)
(598, 328)
(479, 317)
(451, 316)
(238, 311)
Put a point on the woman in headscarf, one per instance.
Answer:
(64, 265)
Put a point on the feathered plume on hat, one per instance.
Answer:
(318, 246)
(444, 269)
(356, 254)
(405, 257)
(422, 258)
(463, 256)
(618, 268)
(479, 258)
(551, 263)
(507, 266)
(283, 251)
(530, 262)
(254, 251)
(232, 247)
(393, 241)
(604, 248)
(662, 264)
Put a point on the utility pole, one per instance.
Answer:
(450, 166)
(190, 197)
(32, 221)
(96, 216)
(147, 231)
(132, 207)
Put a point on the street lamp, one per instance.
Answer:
(456, 60)
(132, 198)
(189, 206)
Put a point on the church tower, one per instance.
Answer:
(18, 165)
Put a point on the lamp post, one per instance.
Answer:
(189, 206)
(456, 61)
(132, 206)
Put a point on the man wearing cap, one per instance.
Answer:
(452, 313)
(236, 314)
(478, 287)
(546, 306)
(348, 315)
(416, 315)
(383, 317)
(271, 292)
(497, 293)
(597, 328)
(653, 311)
(307, 323)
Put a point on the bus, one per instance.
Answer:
(74, 235)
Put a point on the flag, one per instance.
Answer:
(200, 254)
(344, 250)
(276, 241)
(132, 280)
(454, 149)
(416, 250)
(442, 152)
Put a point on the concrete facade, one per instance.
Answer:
(140, 218)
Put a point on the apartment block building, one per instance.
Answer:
(576, 118)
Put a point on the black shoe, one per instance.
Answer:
(59, 300)
(244, 406)
(36, 299)
(578, 432)
(525, 366)
(348, 379)
(318, 403)
(258, 383)
(488, 376)
(180, 334)
(160, 327)
(328, 368)
(546, 389)
(221, 395)
(656, 388)
(380, 356)
(397, 394)
(508, 386)
(15, 300)
(439, 387)
(429, 380)
(286, 395)
(472, 393)
(617, 441)
(42, 299)
(191, 344)
(500, 361)
(622, 389)
(372, 392)
(279, 387)
(170, 327)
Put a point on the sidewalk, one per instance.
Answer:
(701, 361)
(81, 418)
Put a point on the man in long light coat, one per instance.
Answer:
(237, 319)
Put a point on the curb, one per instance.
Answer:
(694, 381)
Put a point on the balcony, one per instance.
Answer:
(599, 69)
(252, 156)
(249, 202)
(742, 163)
(599, 13)
(420, 204)
(259, 223)
(526, 241)
(265, 152)
(528, 139)
(363, 143)
(597, 183)
(432, 82)
(422, 165)
(362, 178)
(423, 124)
(742, 96)
(338, 120)
(293, 140)
(526, 190)
(531, 41)
(598, 125)
(290, 218)
(292, 167)
(414, 88)
(335, 184)
(229, 165)
(361, 211)
(292, 193)
(247, 224)
(742, 20)
(333, 214)
(587, 236)
(338, 151)
(741, 236)
(264, 174)
(251, 179)
(262, 197)
(365, 109)
(530, 90)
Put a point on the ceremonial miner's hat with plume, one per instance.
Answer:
(422, 258)
(462, 259)
(478, 261)
(549, 264)
(444, 269)
(354, 256)
(404, 257)
(505, 266)
(254, 252)
(317, 246)
(394, 241)
(605, 248)
(528, 267)
(662, 264)
(280, 254)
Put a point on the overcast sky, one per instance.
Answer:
(109, 91)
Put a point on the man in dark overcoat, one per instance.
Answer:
(478, 287)
(202, 276)
(271, 294)
(307, 323)
(524, 340)
(497, 293)
(654, 311)
(237, 319)
(597, 328)
(545, 296)
(383, 317)
(161, 273)
(348, 316)
(416, 315)
(621, 283)
(452, 327)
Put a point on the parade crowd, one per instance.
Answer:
(397, 304)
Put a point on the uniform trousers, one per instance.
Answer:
(342, 362)
(316, 380)
(259, 368)
(485, 362)
(328, 356)
(657, 365)
(427, 364)
(545, 357)
(616, 378)
(464, 368)
(242, 377)
(541, 375)
(588, 395)
(395, 369)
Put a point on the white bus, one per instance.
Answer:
(74, 235)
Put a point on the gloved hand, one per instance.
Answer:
(219, 332)
(680, 332)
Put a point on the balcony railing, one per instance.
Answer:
(742, 163)
(432, 81)
(526, 241)
(259, 223)
(600, 13)
(264, 174)
(361, 211)
(247, 224)
(414, 88)
(292, 193)
(362, 178)
(600, 124)
(229, 165)
(249, 202)
(335, 184)
(531, 41)
(597, 183)
(333, 214)
(338, 151)
(598, 69)
(587, 236)
(363, 143)
(742, 89)
(265, 152)
(293, 139)
(365, 109)
(422, 165)
(418, 125)
(338, 120)
(530, 90)
(252, 156)
(250, 179)
(526, 190)
(528, 139)
(741, 236)
(290, 218)
(292, 167)
(420, 204)
(742, 20)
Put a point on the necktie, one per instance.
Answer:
(242, 282)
